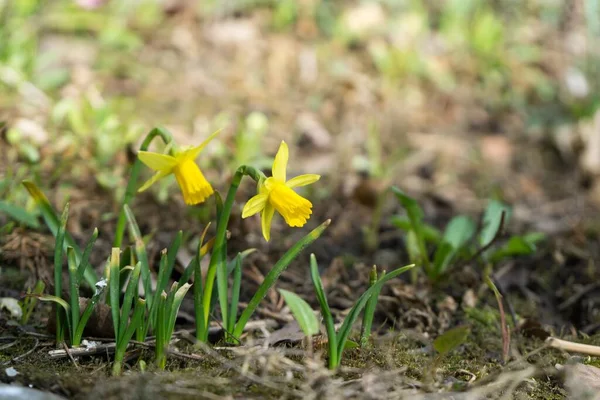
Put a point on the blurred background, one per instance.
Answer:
(455, 101)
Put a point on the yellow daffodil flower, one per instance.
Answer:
(275, 193)
(194, 186)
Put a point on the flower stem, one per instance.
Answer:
(133, 178)
(218, 266)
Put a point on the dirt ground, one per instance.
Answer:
(453, 125)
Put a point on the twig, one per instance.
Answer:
(84, 351)
(70, 355)
(573, 346)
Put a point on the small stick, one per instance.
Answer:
(70, 355)
(573, 346)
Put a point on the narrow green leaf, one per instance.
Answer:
(235, 292)
(85, 258)
(415, 215)
(55, 299)
(174, 310)
(142, 255)
(352, 316)
(274, 273)
(369, 313)
(87, 313)
(115, 289)
(129, 299)
(302, 312)
(58, 265)
(53, 223)
(451, 339)
(325, 311)
(73, 289)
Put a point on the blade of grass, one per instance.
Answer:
(274, 273)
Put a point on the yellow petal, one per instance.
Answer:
(157, 161)
(302, 180)
(192, 153)
(265, 219)
(280, 163)
(254, 205)
(157, 176)
(194, 186)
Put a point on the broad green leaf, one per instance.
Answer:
(457, 234)
(351, 344)
(19, 214)
(451, 339)
(430, 232)
(302, 312)
(459, 231)
(516, 246)
(491, 221)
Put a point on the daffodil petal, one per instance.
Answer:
(302, 180)
(280, 163)
(254, 205)
(192, 153)
(265, 219)
(157, 176)
(157, 161)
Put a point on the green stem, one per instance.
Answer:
(274, 273)
(217, 267)
(133, 178)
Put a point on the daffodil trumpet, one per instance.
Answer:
(194, 186)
